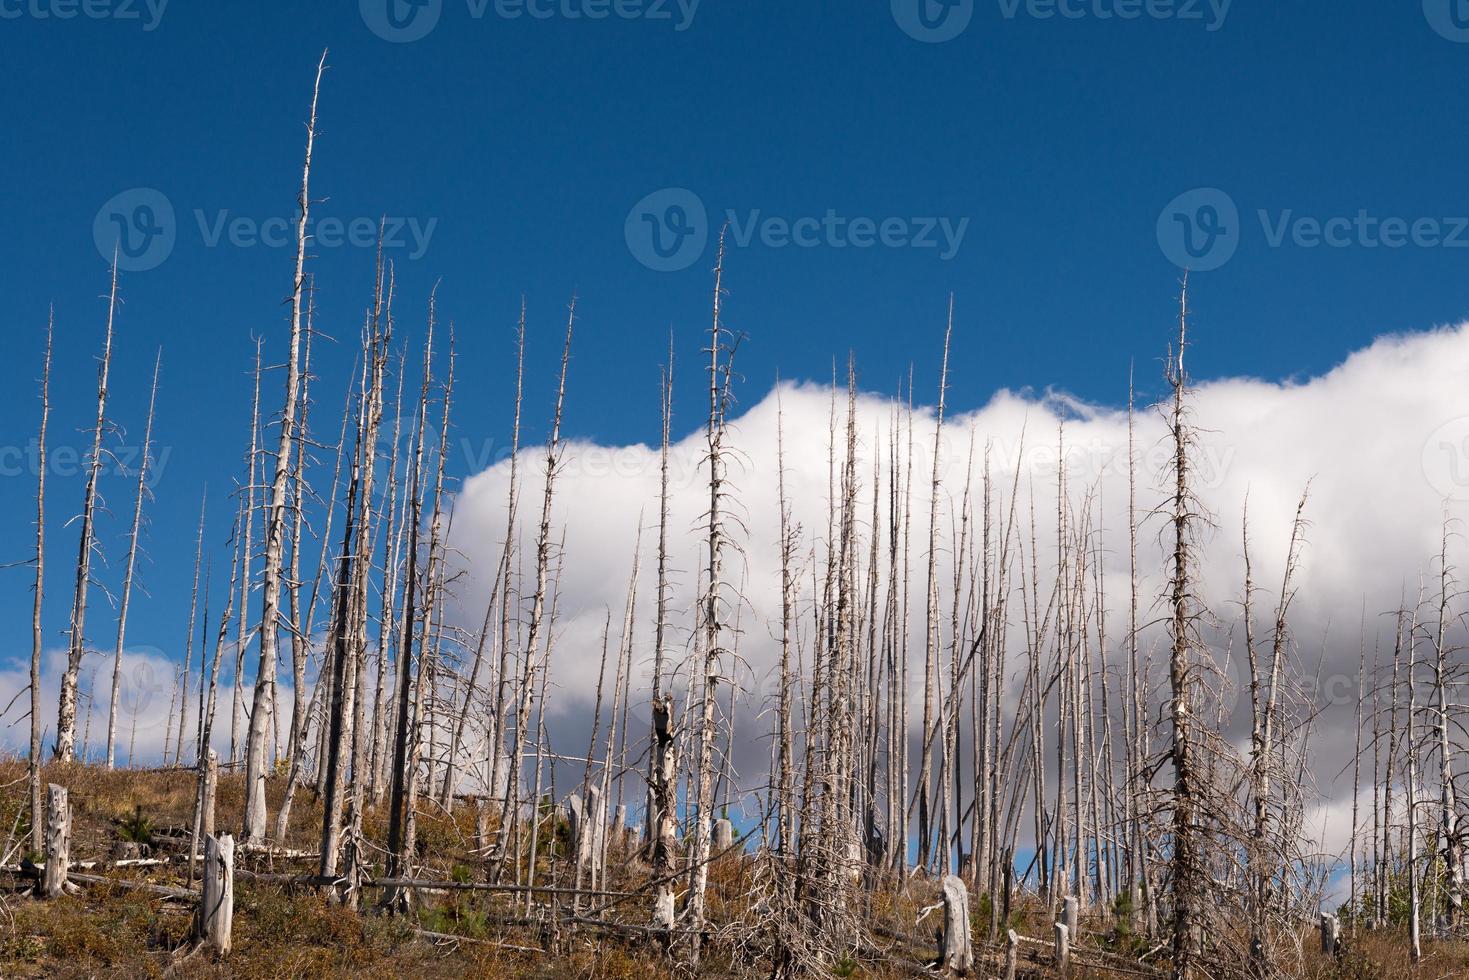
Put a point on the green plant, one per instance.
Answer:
(137, 828)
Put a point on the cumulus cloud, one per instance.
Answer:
(148, 705)
(1382, 440)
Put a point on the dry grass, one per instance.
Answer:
(116, 932)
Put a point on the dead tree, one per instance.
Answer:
(931, 616)
(349, 626)
(300, 640)
(217, 896)
(1415, 946)
(207, 708)
(66, 714)
(132, 559)
(537, 624)
(178, 750)
(711, 601)
(662, 761)
(1186, 864)
(33, 763)
(1449, 830)
(242, 636)
(275, 529)
(958, 952)
(58, 841)
(402, 778)
(1266, 860)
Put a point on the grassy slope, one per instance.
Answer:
(109, 931)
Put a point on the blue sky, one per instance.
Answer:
(1051, 148)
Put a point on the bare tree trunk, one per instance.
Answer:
(1415, 950)
(255, 762)
(1185, 866)
(33, 763)
(178, 749)
(242, 636)
(66, 714)
(206, 711)
(931, 634)
(127, 578)
(217, 898)
(499, 719)
(404, 776)
(1450, 833)
(538, 600)
(300, 641)
(58, 841)
(387, 619)
(710, 670)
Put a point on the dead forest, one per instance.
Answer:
(977, 753)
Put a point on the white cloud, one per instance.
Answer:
(1382, 440)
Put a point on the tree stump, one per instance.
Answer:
(588, 832)
(1012, 953)
(1070, 908)
(596, 846)
(1330, 934)
(958, 952)
(217, 901)
(1063, 947)
(723, 835)
(58, 841)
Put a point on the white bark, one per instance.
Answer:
(58, 841)
(958, 953)
(127, 578)
(255, 761)
(66, 712)
(217, 903)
